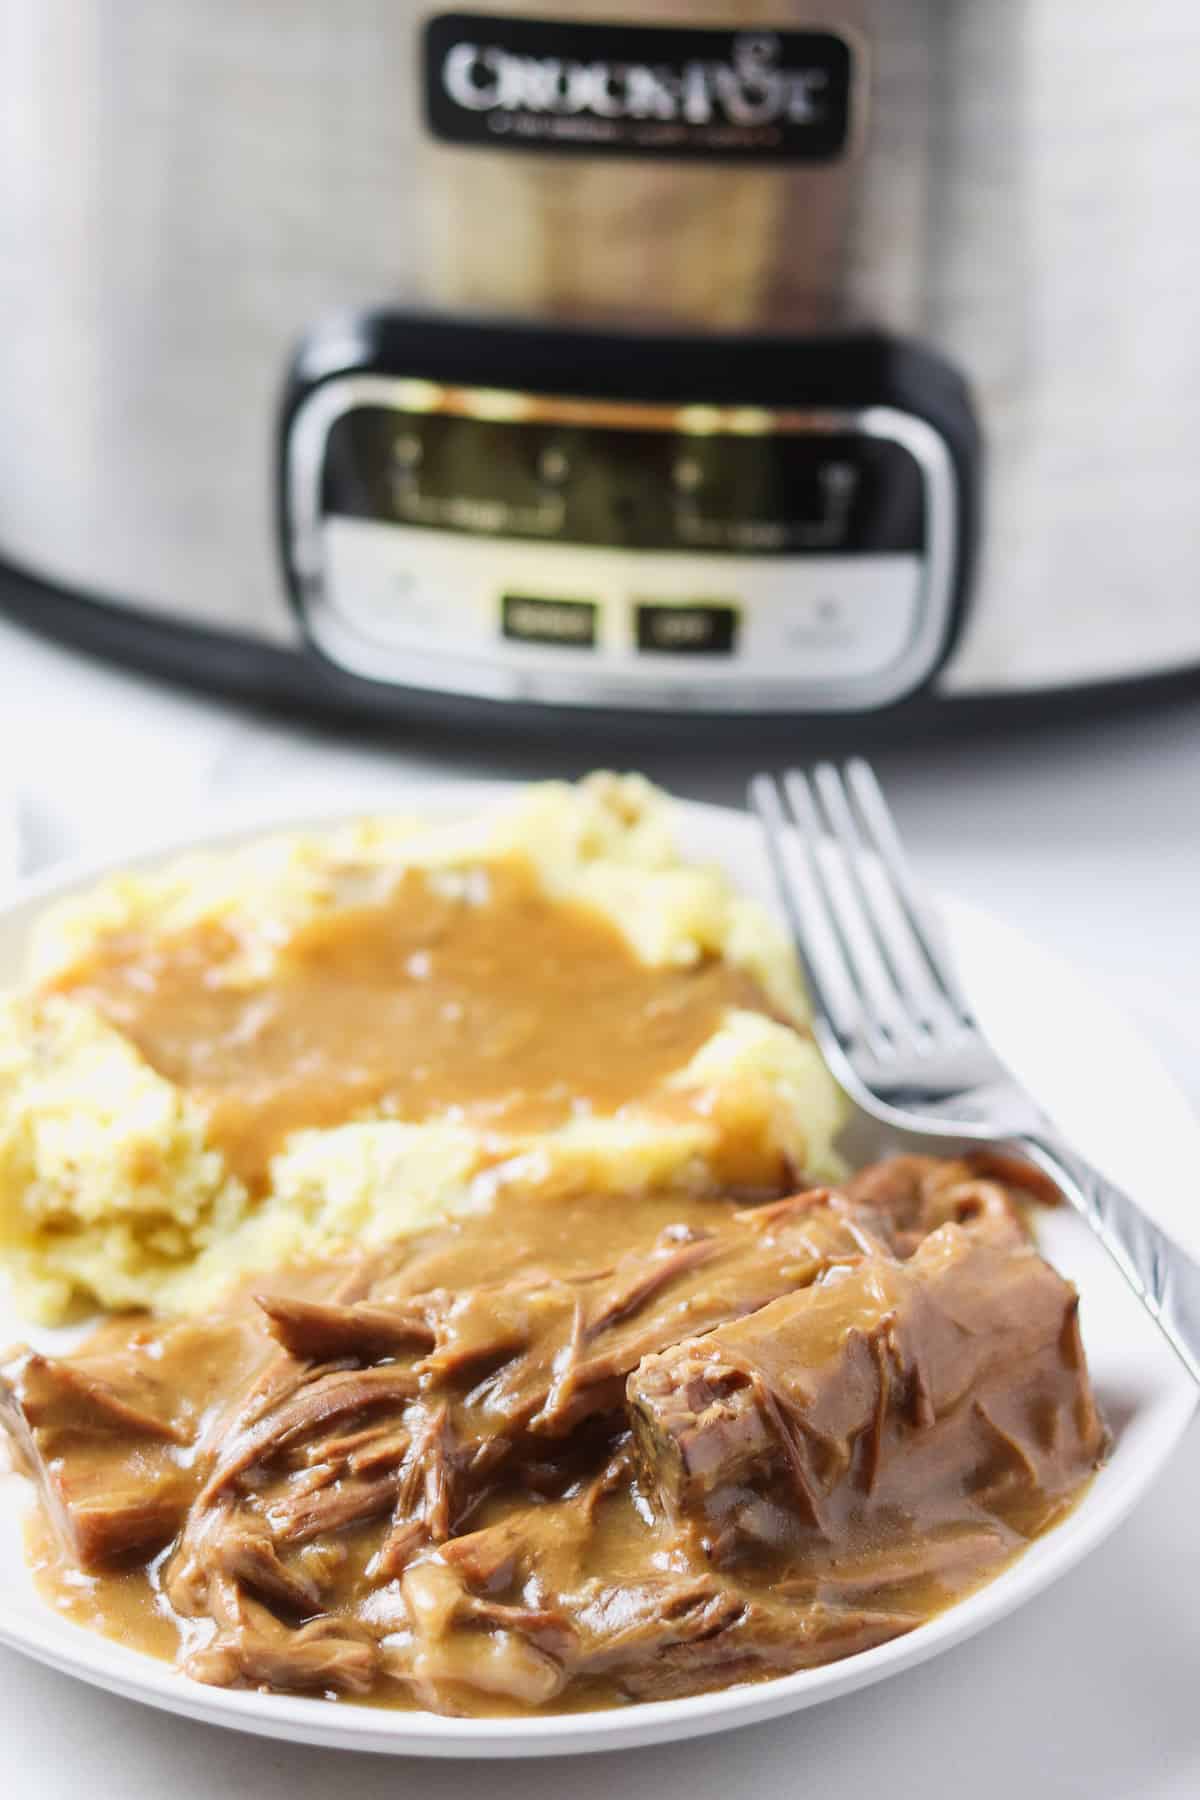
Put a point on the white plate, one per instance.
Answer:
(1107, 1090)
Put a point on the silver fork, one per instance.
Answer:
(899, 1034)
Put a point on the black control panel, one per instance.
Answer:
(636, 522)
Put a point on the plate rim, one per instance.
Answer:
(88, 1656)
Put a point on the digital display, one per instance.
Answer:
(758, 493)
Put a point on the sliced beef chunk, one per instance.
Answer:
(658, 1635)
(103, 1447)
(252, 1648)
(675, 1635)
(459, 1641)
(882, 1393)
(106, 1512)
(320, 1397)
(282, 1474)
(917, 1194)
(324, 1331)
(301, 1514)
(240, 1545)
(564, 1347)
(97, 1397)
(952, 1556)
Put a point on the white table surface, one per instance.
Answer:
(1087, 837)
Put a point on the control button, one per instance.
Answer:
(687, 630)
(526, 619)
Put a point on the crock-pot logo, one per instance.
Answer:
(750, 89)
(541, 84)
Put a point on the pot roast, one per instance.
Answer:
(577, 1452)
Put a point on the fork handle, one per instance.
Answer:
(1165, 1278)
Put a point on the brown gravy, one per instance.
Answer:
(573, 1454)
(479, 994)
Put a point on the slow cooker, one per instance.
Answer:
(798, 357)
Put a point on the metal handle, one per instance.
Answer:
(1164, 1277)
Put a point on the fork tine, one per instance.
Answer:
(767, 802)
(879, 829)
(848, 835)
(809, 831)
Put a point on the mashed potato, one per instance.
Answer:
(111, 1191)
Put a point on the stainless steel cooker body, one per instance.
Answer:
(188, 186)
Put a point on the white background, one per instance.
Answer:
(1087, 836)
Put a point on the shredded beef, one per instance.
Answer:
(625, 1455)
